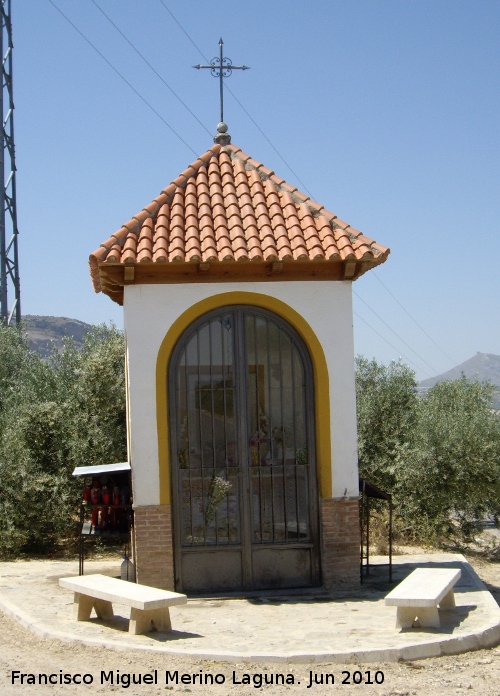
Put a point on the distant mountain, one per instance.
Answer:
(483, 366)
(45, 332)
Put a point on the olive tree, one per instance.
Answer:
(54, 415)
(451, 478)
(439, 455)
(387, 412)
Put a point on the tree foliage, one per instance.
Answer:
(452, 476)
(387, 409)
(438, 454)
(54, 415)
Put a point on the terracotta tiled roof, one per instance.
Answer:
(228, 208)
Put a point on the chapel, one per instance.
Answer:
(241, 407)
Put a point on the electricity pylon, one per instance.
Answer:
(9, 261)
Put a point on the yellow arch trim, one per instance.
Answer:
(320, 369)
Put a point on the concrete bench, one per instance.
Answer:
(149, 606)
(419, 595)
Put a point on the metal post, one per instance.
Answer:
(368, 535)
(9, 260)
(390, 539)
(361, 538)
(3, 259)
(221, 77)
(362, 529)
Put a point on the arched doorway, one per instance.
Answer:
(243, 455)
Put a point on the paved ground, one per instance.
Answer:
(352, 627)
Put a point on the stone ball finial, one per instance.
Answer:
(222, 137)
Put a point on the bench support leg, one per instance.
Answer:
(448, 601)
(427, 617)
(145, 620)
(83, 605)
(103, 609)
(405, 616)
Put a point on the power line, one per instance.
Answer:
(150, 66)
(301, 182)
(394, 332)
(122, 77)
(390, 344)
(296, 176)
(414, 320)
(184, 31)
(270, 143)
(262, 133)
(238, 101)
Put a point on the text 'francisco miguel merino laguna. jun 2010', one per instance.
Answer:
(200, 678)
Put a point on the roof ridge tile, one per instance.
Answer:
(287, 188)
(327, 238)
(311, 237)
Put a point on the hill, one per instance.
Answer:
(44, 332)
(483, 366)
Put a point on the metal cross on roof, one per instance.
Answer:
(221, 67)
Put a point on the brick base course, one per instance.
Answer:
(153, 546)
(340, 542)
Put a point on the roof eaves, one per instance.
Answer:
(134, 225)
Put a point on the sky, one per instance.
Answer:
(386, 112)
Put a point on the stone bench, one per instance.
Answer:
(149, 606)
(419, 595)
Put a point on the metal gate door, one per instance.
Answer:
(242, 445)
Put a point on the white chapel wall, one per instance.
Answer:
(150, 311)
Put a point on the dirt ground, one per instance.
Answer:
(21, 652)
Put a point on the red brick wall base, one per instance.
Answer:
(153, 547)
(340, 542)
